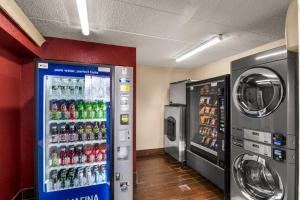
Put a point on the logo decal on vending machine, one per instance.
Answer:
(43, 65)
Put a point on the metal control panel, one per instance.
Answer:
(123, 111)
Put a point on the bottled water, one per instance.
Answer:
(55, 87)
(72, 86)
(65, 91)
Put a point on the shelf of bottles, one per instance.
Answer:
(75, 129)
(208, 116)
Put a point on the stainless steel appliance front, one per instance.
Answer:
(174, 132)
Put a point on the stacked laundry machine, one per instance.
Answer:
(264, 131)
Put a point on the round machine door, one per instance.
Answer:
(171, 128)
(256, 178)
(258, 92)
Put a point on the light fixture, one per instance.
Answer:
(83, 16)
(270, 55)
(214, 40)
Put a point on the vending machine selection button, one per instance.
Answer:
(124, 119)
(125, 88)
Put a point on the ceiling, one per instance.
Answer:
(161, 30)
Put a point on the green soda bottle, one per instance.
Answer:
(80, 109)
(88, 110)
(96, 110)
(103, 109)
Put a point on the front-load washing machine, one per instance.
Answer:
(264, 111)
(261, 172)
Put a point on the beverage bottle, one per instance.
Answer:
(71, 155)
(80, 109)
(88, 110)
(79, 154)
(71, 176)
(72, 87)
(54, 107)
(103, 172)
(63, 110)
(96, 131)
(96, 174)
(63, 133)
(88, 151)
(80, 131)
(54, 178)
(54, 158)
(96, 151)
(55, 87)
(103, 109)
(80, 87)
(65, 91)
(103, 130)
(62, 177)
(72, 133)
(89, 131)
(88, 175)
(80, 176)
(103, 152)
(71, 109)
(63, 156)
(54, 133)
(96, 110)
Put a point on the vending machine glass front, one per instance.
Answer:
(73, 131)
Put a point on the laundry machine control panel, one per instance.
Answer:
(265, 137)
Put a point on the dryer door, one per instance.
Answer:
(258, 92)
(256, 178)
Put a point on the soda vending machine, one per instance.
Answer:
(83, 131)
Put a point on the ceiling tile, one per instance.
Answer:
(52, 10)
(164, 29)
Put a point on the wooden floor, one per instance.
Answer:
(162, 178)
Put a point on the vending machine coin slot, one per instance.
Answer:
(124, 186)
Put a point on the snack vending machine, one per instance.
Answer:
(83, 131)
(208, 129)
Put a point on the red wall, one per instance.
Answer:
(10, 80)
(67, 50)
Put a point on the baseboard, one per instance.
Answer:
(24, 194)
(149, 152)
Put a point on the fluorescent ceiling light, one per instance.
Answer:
(203, 46)
(82, 11)
(271, 54)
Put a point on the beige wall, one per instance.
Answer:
(152, 94)
(223, 66)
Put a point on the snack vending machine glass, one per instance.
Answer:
(84, 131)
